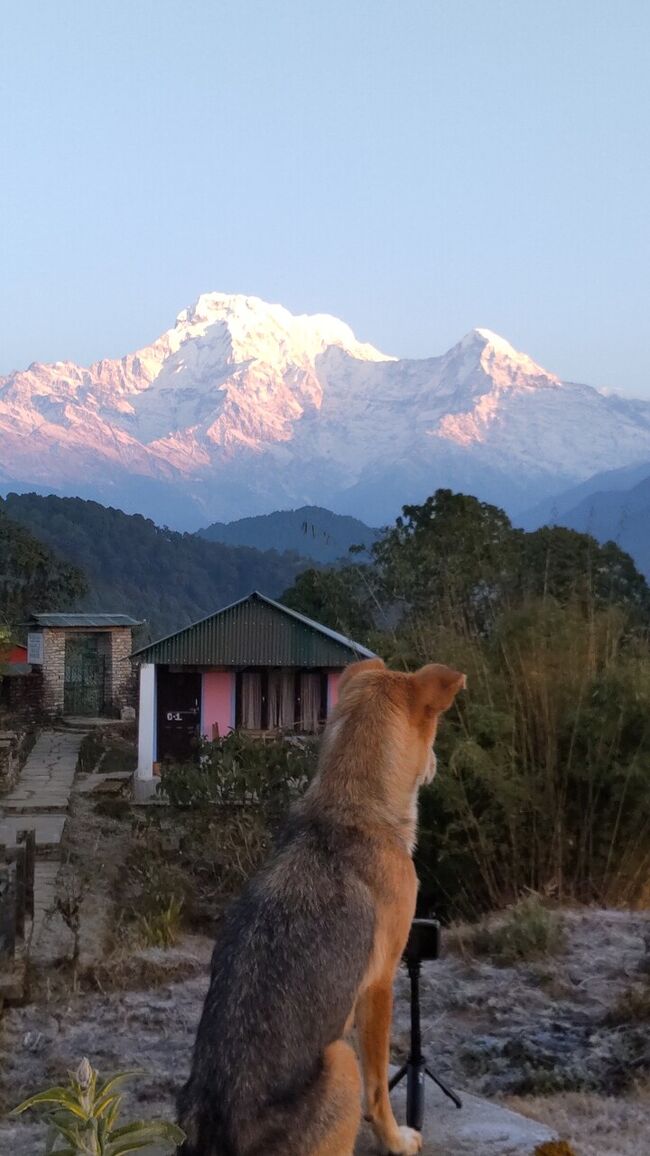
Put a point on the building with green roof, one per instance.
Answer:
(255, 665)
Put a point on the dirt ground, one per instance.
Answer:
(544, 1037)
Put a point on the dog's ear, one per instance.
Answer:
(436, 688)
(356, 668)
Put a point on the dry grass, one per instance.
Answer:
(528, 930)
(594, 1125)
(632, 1007)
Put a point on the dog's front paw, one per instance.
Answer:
(410, 1142)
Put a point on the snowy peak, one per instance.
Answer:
(242, 407)
(258, 330)
(482, 349)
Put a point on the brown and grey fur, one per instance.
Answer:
(313, 942)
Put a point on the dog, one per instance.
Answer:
(312, 945)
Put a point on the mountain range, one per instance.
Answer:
(242, 408)
(613, 506)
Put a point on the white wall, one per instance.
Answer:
(147, 721)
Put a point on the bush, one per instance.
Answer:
(91, 750)
(528, 931)
(242, 770)
(191, 861)
(633, 1006)
(104, 750)
(544, 780)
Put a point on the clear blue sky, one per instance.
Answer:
(417, 167)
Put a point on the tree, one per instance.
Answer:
(560, 563)
(341, 599)
(31, 576)
(451, 555)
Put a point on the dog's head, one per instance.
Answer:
(406, 708)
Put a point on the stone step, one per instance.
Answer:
(49, 831)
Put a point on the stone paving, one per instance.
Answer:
(46, 779)
(39, 801)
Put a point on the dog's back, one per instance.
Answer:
(286, 970)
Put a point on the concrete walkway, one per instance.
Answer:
(479, 1128)
(39, 801)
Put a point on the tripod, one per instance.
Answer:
(416, 1066)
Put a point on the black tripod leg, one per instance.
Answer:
(394, 1081)
(445, 1088)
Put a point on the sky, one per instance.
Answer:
(416, 167)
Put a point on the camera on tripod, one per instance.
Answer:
(423, 944)
(424, 941)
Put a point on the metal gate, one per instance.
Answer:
(84, 689)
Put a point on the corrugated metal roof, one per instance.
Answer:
(256, 631)
(87, 620)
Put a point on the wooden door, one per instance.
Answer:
(179, 714)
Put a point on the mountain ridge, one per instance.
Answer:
(242, 408)
(310, 531)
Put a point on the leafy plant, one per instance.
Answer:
(83, 1118)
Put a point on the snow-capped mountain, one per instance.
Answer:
(242, 408)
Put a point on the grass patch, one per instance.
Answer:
(161, 928)
(118, 759)
(632, 1007)
(528, 931)
(107, 751)
(90, 752)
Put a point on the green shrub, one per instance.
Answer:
(83, 1118)
(242, 770)
(528, 931)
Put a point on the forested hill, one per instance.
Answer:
(134, 567)
(311, 531)
(32, 576)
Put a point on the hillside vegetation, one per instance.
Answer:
(544, 780)
(311, 531)
(134, 567)
(32, 577)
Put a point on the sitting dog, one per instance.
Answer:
(313, 943)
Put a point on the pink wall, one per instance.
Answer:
(332, 689)
(218, 702)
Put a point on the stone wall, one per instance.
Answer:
(121, 679)
(23, 697)
(53, 671)
(11, 757)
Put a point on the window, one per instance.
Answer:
(281, 700)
